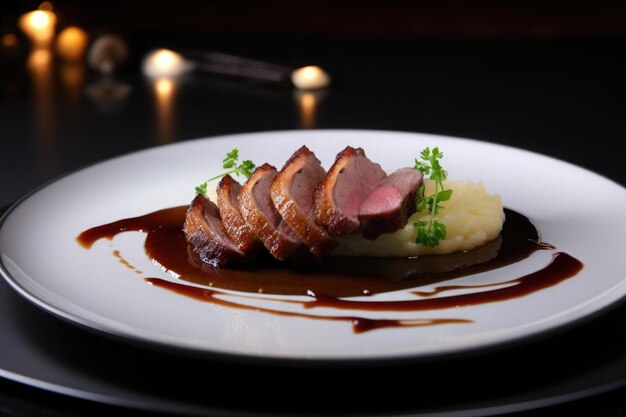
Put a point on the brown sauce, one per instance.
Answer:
(562, 267)
(336, 280)
(359, 324)
(124, 262)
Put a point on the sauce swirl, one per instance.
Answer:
(336, 281)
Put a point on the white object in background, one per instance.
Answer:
(107, 54)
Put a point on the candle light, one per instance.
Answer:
(38, 26)
(310, 78)
(72, 43)
(165, 63)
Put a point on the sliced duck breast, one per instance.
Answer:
(209, 244)
(228, 203)
(388, 207)
(292, 194)
(260, 214)
(338, 198)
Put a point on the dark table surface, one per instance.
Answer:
(563, 98)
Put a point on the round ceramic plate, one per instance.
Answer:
(577, 211)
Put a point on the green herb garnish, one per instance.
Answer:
(230, 163)
(430, 232)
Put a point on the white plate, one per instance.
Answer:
(579, 212)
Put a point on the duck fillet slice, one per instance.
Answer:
(292, 194)
(260, 214)
(338, 198)
(209, 244)
(388, 207)
(236, 227)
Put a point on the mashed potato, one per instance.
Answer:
(472, 218)
(211, 192)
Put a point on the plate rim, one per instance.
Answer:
(167, 345)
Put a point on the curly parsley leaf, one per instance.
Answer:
(229, 163)
(201, 189)
(430, 232)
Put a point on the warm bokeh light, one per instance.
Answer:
(307, 103)
(164, 63)
(9, 41)
(39, 19)
(165, 59)
(39, 61)
(164, 87)
(310, 78)
(72, 43)
(38, 26)
(307, 111)
(310, 72)
(46, 5)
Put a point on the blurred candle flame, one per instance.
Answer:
(72, 43)
(165, 63)
(38, 26)
(310, 78)
(164, 59)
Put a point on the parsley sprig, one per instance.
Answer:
(430, 232)
(230, 163)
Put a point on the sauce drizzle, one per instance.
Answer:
(359, 324)
(124, 262)
(347, 283)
